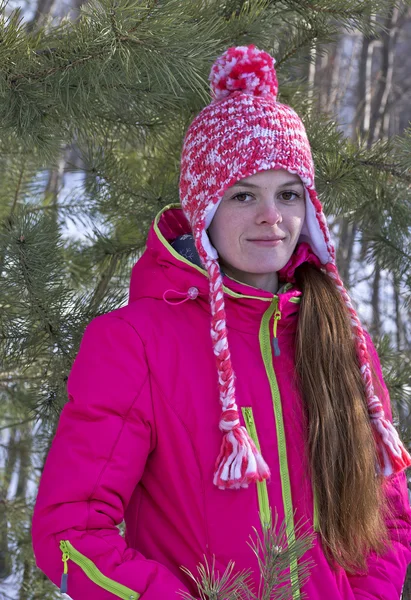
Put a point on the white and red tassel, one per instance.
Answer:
(239, 462)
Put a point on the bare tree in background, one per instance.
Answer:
(364, 82)
(45, 8)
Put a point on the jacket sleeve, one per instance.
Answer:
(104, 436)
(386, 575)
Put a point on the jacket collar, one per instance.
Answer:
(161, 269)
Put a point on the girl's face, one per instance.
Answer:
(253, 212)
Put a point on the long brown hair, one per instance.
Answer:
(340, 442)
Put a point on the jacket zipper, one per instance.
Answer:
(277, 317)
(263, 502)
(92, 572)
(265, 345)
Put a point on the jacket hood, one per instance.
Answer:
(161, 267)
(162, 273)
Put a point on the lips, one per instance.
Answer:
(264, 243)
(266, 240)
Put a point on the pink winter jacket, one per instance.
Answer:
(139, 437)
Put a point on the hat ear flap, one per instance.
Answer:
(208, 247)
(312, 232)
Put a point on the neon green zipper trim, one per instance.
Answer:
(93, 573)
(263, 502)
(265, 345)
(277, 317)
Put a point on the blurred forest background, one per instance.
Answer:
(95, 100)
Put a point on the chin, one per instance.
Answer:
(263, 269)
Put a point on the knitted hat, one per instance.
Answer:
(244, 130)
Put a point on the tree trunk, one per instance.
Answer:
(345, 250)
(54, 183)
(380, 101)
(375, 328)
(44, 9)
(333, 101)
(9, 468)
(399, 325)
(363, 112)
(312, 66)
(24, 449)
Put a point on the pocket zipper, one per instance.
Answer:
(92, 572)
(263, 502)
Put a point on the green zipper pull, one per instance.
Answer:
(277, 317)
(65, 557)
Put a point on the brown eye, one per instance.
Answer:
(242, 197)
(290, 196)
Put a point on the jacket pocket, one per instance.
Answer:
(92, 572)
(263, 502)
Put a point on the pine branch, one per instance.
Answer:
(18, 424)
(212, 586)
(390, 168)
(274, 554)
(104, 282)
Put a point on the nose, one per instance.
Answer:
(269, 212)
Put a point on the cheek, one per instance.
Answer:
(224, 226)
(225, 232)
(296, 222)
(228, 238)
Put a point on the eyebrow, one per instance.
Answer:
(253, 185)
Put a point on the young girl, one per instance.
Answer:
(191, 439)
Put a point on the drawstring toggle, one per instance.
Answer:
(191, 294)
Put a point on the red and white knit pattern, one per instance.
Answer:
(244, 131)
(244, 68)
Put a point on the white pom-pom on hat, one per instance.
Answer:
(244, 68)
